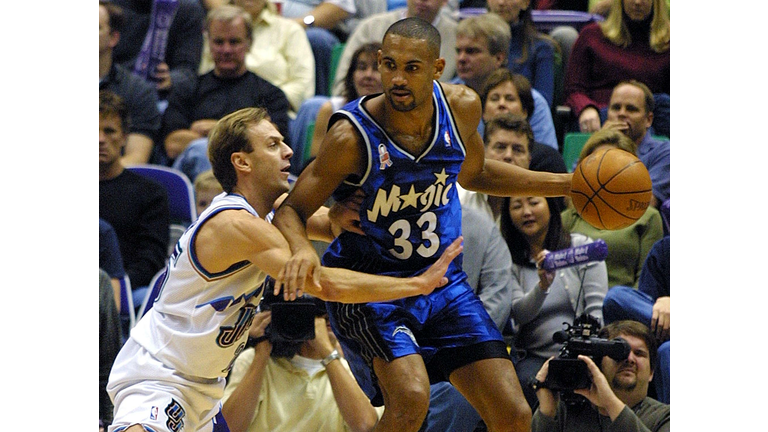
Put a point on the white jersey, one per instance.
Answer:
(200, 320)
(170, 374)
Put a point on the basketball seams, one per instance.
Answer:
(610, 203)
(617, 174)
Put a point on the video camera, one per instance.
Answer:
(292, 321)
(567, 372)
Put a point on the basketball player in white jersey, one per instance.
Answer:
(170, 374)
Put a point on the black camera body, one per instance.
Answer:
(292, 321)
(566, 372)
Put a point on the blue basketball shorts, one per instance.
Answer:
(449, 328)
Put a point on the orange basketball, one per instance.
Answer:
(611, 189)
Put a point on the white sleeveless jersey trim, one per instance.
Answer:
(451, 117)
(200, 320)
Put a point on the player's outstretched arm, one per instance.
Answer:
(489, 176)
(236, 236)
(348, 286)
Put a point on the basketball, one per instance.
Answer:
(611, 189)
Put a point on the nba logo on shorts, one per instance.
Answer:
(384, 159)
(447, 139)
(153, 413)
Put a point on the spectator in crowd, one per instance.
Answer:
(531, 53)
(508, 138)
(648, 304)
(505, 91)
(362, 79)
(295, 386)
(630, 111)
(136, 207)
(632, 43)
(617, 395)
(322, 20)
(543, 300)
(372, 29)
(280, 52)
(228, 87)
(206, 188)
(139, 96)
(627, 247)
(182, 52)
(481, 43)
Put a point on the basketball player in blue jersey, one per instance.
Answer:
(170, 374)
(406, 149)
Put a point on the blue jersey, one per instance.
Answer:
(411, 211)
(410, 214)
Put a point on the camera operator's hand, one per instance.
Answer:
(321, 346)
(345, 215)
(260, 322)
(660, 319)
(600, 393)
(547, 399)
(545, 277)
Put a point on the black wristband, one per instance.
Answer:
(536, 384)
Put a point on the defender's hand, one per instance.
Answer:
(303, 264)
(345, 215)
(434, 276)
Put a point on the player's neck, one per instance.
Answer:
(412, 129)
(261, 201)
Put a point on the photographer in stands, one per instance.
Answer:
(277, 384)
(617, 393)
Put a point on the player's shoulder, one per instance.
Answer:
(460, 97)
(341, 126)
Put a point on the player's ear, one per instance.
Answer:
(240, 162)
(439, 67)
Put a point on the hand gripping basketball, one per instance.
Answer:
(611, 189)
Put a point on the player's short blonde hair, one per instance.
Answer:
(230, 135)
